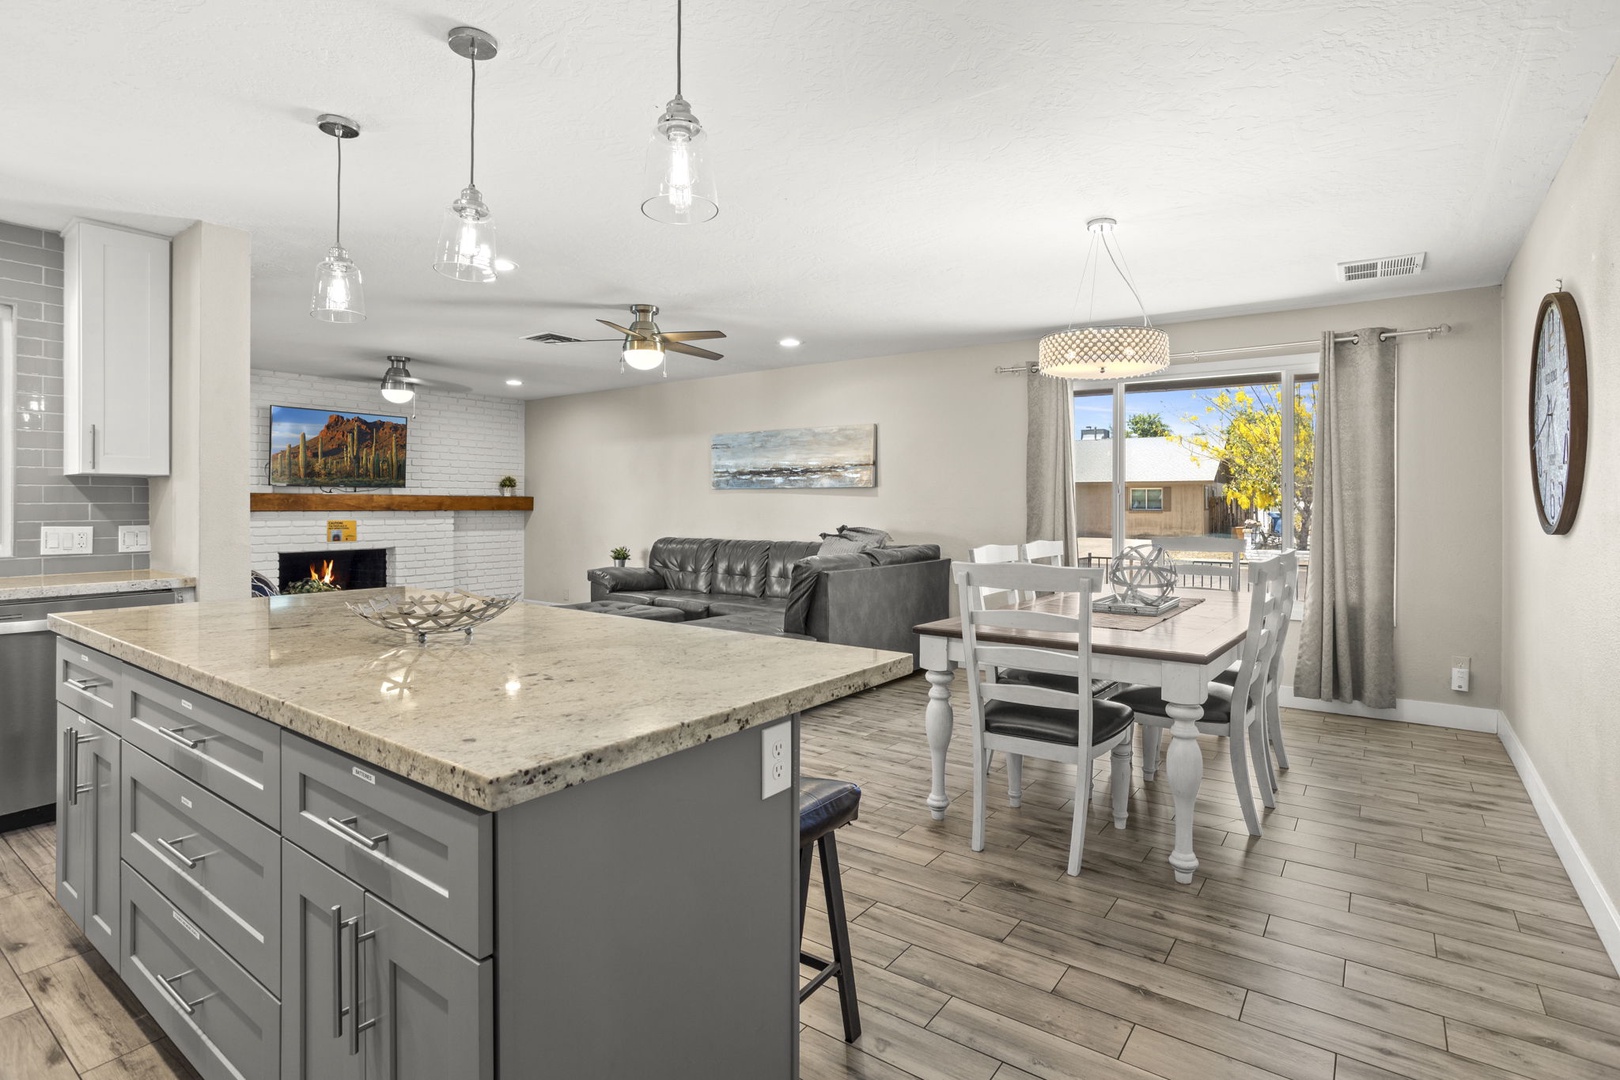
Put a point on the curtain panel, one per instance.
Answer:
(1347, 640)
(1049, 463)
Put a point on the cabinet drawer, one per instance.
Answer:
(87, 682)
(226, 1024)
(429, 856)
(231, 753)
(232, 885)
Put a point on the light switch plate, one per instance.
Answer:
(776, 759)
(134, 538)
(66, 539)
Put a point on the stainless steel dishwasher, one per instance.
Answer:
(28, 693)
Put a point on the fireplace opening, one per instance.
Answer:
(366, 568)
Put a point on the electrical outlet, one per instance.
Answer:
(134, 538)
(1459, 674)
(776, 759)
(66, 539)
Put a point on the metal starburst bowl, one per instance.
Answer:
(433, 612)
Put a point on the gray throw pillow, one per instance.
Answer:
(852, 538)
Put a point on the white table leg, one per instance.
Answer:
(939, 723)
(1184, 767)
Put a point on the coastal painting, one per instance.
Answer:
(818, 457)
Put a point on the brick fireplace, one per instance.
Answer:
(363, 568)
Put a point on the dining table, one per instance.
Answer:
(1180, 652)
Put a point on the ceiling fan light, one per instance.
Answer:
(466, 249)
(643, 355)
(339, 297)
(1104, 352)
(396, 387)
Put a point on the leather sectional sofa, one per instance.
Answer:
(870, 598)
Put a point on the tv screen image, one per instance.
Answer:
(319, 448)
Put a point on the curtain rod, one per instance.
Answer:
(1212, 354)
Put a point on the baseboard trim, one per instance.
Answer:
(1406, 711)
(1600, 906)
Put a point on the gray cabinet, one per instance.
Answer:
(89, 828)
(421, 1007)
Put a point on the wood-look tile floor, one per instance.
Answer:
(1404, 916)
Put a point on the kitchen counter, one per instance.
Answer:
(53, 586)
(541, 699)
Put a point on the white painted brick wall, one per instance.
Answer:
(460, 444)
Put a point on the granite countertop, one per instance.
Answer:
(52, 586)
(540, 699)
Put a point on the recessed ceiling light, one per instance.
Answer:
(789, 343)
(514, 382)
(505, 266)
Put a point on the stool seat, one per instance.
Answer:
(825, 805)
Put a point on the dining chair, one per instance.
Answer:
(1224, 573)
(1039, 551)
(1277, 754)
(998, 553)
(1237, 712)
(1022, 718)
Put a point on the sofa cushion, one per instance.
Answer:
(746, 605)
(779, 568)
(850, 538)
(806, 572)
(739, 567)
(694, 605)
(636, 596)
(685, 563)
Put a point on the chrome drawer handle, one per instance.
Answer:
(84, 686)
(346, 828)
(167, 983)
(173, 735)
(190, 861)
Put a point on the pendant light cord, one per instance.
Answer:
(338, 240)
(472, 122)
(677, 48)
(1125, 276)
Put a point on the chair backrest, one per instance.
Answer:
(1039, 551)
(998, 553)
(1269, 609)
(982, 627)
(1288, 568)
(1205, 573)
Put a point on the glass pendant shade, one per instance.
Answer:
(679, 182)
(338, 294)
(467, 240)
(1104, 352)
(643, 355)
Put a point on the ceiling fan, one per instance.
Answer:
(644, 344)
(399, 386)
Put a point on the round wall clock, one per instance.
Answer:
(1558, 412)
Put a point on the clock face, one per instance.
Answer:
(1558, 412)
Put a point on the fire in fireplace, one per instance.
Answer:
(366, 568)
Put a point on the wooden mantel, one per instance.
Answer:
(261, 502)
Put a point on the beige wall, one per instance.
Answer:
(200, 510)
(1561, 637)
(628, 466)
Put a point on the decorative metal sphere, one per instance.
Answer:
(1143, 575)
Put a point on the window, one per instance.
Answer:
(1147, 498)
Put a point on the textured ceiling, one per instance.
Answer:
(894, 176)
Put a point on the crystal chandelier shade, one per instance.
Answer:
(1104, 352)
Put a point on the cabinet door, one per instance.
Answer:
(100, 769)
(116, 336)
(70, 815)
(432, 1006)
(316, 950)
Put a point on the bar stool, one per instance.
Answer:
(824, 805)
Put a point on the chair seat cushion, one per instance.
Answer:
(1108, 718)
(1149, 703)
(1227, 677)
(824, 805)
(694, 605)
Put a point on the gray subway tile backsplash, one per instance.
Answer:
(31, 281)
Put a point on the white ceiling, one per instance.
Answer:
(894, 176)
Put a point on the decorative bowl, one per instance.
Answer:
(433, 612)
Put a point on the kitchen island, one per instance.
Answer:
(546, 851)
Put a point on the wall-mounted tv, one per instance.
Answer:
(322, 448)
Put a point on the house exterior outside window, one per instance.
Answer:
(1147, 498)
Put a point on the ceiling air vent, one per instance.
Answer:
(1393, 266)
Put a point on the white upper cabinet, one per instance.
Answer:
(116, 383)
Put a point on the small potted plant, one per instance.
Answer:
(619, 555)
(508, 485)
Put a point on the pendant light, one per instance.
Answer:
(680, 186)
(338, 296)
(1105, 352)
(466, 249)
(397, 385)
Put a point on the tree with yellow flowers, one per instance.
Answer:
(1242, 427)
